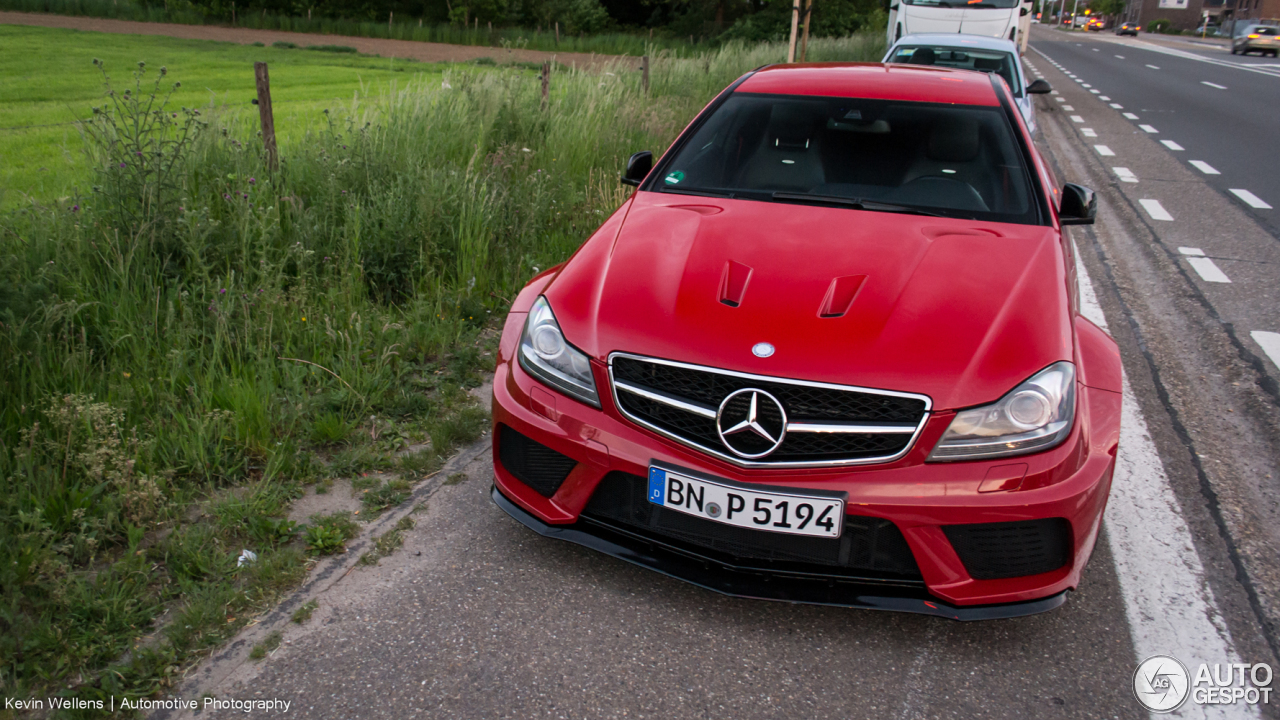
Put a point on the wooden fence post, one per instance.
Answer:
(557, 32)
(546, 83)
(804, 41)
(391, 18)
(644, 73)
(264, 113)
(795, 22)
(233, 13)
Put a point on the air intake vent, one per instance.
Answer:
(992, 551)
(533, 463)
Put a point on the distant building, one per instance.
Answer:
(1188, 14)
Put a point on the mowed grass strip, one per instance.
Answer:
(50, 82)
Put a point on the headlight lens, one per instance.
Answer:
(547, 356)
(1035, 416)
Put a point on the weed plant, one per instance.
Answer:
(200, 328)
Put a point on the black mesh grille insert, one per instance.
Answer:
(802, 403)
(533, 463)
(991, 551)
(867, 547)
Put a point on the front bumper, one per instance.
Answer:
(1071, 482)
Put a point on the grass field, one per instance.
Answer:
(50, 82)
(191, 345)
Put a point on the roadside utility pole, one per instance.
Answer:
(795, 22)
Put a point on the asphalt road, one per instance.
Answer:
(478, 617)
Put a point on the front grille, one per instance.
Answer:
(868, 547)
(707, 388)
(533, 463)
(992, 551)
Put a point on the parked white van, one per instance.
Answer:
(1007, 19)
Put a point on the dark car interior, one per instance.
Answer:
(991, 61)
(959, 161)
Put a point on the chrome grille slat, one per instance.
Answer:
(834, 424)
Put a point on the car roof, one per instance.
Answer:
(958, 40)
(915, 83)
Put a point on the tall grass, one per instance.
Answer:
(616, 43)
(198, 321)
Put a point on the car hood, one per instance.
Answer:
(958, 310)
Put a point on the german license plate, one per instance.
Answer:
(790, 513)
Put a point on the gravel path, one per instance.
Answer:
(424, 51)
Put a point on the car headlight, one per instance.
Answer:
(547, 356)
(1035, 416)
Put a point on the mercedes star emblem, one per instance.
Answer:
(751, 423)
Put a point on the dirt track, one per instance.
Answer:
(424, 51)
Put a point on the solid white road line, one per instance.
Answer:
(1155, 210)
(1171, 145)
(1167, 600)
(1204, 167)
(1208, 271)
(1088, 132)
(1077, 119)
(1148, 128)
(1117, 106)
(1270, 343)
(1213, 85)
(1153, 67)
(1250, 199)
(1191, 251)
(1125, 174)
(1129, 116)
(1104, 151)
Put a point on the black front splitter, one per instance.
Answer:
(718, 577)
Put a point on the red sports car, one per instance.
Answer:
(830, 351)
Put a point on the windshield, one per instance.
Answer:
(982, 4)
(891, 156)
(992, 61)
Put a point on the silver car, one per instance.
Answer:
(1262, 39)
(972, 52)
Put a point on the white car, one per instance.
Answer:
(972, 52)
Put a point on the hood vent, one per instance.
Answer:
(840, 295)
(733, 283)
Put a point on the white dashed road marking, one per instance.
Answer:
(1130, 116)
(1088, 132)
(1171, 145)
(1104, 98)
(1204, 167)
(1120, 56)
(1117, 106)
(1213, 85)
(1095, 92)
(1207, 271)
(1155, 210)
(1125, 174)
(1085, 85)
(1250, 199)
(1060, 99)
(1270, 343)
(1105, 151)
(1149, 129)
(1067, 108)
(1167, 600)
(1191, 251)
(1153, 67)
(1077, 119)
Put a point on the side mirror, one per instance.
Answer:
(1025, 11)
(893, 7)
(1079, 205)
(1039, 87)
(638, 166)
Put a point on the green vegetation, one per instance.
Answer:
(50, 84)
(303, 613)
(192, 339)
(268, 644)
(388, 542)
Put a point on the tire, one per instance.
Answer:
(1235, 50)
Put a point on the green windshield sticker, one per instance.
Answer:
(674, 178)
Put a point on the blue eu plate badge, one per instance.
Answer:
(657, 484)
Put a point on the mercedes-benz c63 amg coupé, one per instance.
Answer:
(829, 351)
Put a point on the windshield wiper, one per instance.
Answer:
(855, 203)
(697, 191)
